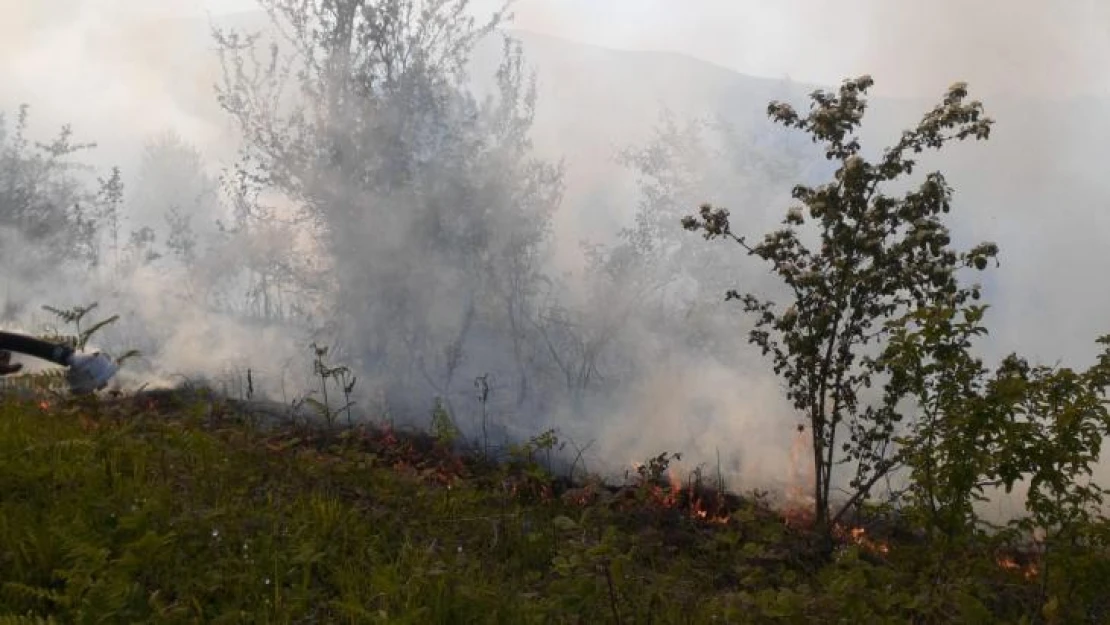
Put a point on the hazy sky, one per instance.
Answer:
(912, 48)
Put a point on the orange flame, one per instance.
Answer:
(1028, 571)
(701, 513)
(675, 495)
(858, 535)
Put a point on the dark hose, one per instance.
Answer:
(38, 348)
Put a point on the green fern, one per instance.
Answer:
(443, 426)
(341, 375)
(75, 316)
(80, 339)
(127, 355)
(52, 380)
(25, 594)
(27, 619)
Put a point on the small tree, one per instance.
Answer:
(43, 198)
(959, 415)
(880, 257)
(1057, 419)
(109, 205)
(428, 202)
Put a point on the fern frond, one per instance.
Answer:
(71, 315)
(27, 619)
(61, 314)
(132, 353)
(97, 326)
(26, 592)
(52, 379)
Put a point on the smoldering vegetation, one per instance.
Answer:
(392, 194)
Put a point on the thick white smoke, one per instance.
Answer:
(125, 72)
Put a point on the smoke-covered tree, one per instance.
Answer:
(109, 212)
(528, 190)
(175, 196)
(648, 303)
(426, 200)
(679, 165)
(877, 258)
(44, 199)
(182, 239)
(141, 249)
(278, 279)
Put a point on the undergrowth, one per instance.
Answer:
(167, 507)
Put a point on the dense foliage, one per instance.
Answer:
(880, 302)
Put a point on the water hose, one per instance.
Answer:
(86, 373)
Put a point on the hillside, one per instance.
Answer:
(179, 506)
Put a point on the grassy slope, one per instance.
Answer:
(162, 510)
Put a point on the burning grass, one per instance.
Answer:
(173, 507)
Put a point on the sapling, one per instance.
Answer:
(443, 426)
(481, 385)
(878, 258)
(343, 377)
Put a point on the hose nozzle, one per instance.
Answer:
(89, 373)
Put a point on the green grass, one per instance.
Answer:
(127, 511)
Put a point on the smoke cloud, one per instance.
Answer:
(653, 107)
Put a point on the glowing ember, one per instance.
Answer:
(858, 536)
(44, 405)
(1028, 571)
(701, 513)
(674, 495)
